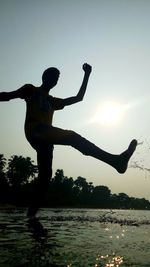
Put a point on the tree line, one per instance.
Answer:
(19, 176)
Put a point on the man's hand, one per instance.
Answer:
(87, 68)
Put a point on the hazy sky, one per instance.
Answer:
(111, 35)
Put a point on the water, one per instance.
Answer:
(75, 238)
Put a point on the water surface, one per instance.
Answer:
(75, 238)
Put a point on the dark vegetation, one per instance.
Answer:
(19, 175)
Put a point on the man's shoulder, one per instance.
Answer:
(57, 103)
(29, 86)
(50, 97)
(27, 90)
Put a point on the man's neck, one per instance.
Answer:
(44, 90)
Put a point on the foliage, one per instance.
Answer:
(3, 178)
(20, 170)
(18, 181)
(2, 166)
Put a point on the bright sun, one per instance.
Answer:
(109, 114)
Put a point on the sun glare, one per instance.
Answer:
(109, 114)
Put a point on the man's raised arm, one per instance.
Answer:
(79, 97)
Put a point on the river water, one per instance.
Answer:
(75, 238)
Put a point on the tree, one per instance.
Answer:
(124, 200)
(2, 167)
(3, 179)
(101, 196)
(20, 170)
(82, 189)
(59, 177)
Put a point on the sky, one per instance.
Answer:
(113, 37)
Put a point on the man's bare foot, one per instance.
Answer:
(123, 159)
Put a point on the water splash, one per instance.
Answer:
(142, 160)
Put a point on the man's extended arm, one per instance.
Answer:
(79, 97)
(6, 96)
(22, 92)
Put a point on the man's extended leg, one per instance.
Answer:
(119, 162)
(59, 136)
(44, 161)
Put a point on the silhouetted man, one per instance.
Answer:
(42, 135)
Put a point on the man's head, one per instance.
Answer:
(50, 77)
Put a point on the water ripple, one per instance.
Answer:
(75, 238)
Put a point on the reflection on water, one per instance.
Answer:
(75, 238)
(109, 261)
